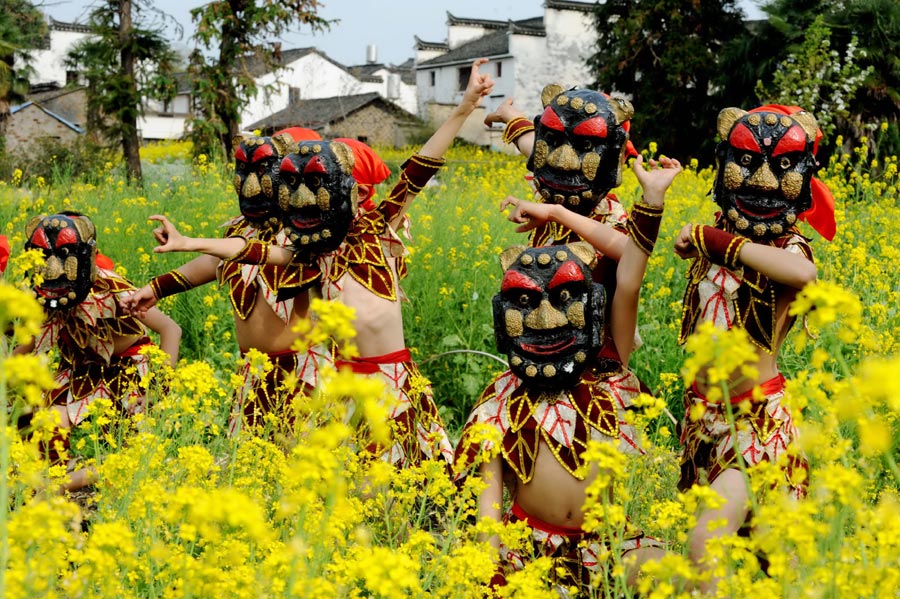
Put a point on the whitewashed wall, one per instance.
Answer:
(48, 65)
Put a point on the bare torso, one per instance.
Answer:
(766, 364)
(265, 331)
(553, 494)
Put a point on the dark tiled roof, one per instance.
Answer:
(38, 94)
(486, 23)
(366, 72)
(571, 5)
(492, 44)
(423, 45)
(317, 113)
(63, 26)
(258, 67)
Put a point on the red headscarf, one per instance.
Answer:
(300, 134)
(369, 169)
(4, 253)
(820, 215)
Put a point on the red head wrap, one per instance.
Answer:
(300, 134)
(820, 215)
(4, 253)
(368, 169)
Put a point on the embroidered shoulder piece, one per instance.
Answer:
(371, 240)
(565, 421)
(93, 325)
(742, 297)
(278, 284)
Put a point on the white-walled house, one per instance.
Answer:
(48, 61)
(309, 74)
(524, 56)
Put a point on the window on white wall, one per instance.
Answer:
(433, 77)
(499, 69)
(464, 73)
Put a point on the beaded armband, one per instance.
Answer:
(515, 129)
(255, 252)
(643, 225)
(718, 246)
(169, 284)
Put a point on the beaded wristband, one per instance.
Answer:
(718, 246)
(515, 129)
(255, 252)
(169, 284)
(643, 225)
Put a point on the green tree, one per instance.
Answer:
(665, 54)
(818, 77)
(22, 27)
(125, 62)
(237, 39)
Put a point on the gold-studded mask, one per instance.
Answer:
(548, 316)
(69, 269)
(579, 148)
(766, 161)
(256, 177)
(319, 196)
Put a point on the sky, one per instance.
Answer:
(389, 25)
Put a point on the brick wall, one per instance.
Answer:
(31, 123)
(377, 125)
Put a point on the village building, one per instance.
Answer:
(32, 123)
(366, 117)
(524, 56)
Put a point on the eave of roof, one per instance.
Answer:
(50, 113)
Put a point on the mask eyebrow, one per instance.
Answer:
(240, 154)
(595, 127)
(263, 151)
(743, 139)
(516, 280)
(39, 238)
(287, 166)
(794, 140)
(550, 120)
(65, 237)
(569, 272)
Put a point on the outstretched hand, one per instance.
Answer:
(529, 215)
(168, 236)
(478, 86)
(656, 179)
(503, 114)
(139, 301)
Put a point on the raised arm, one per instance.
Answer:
(643, 228)
(529, 215)
(733, 251)
(168, 329)
(195, 273)
(229, 248)
(518, 129)
(432, 152)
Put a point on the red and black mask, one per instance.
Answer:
(579, 148)
(69, 270)
(319, 196)
(548, 316)
(256, 178)
(766, 162)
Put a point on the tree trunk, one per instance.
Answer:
(130, 143)
(225, 100)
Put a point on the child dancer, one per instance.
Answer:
(359, 257)
(745, 271)
(98, 342)
(561, 391)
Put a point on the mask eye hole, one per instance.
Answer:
(785, 163)
(315, 181)
(523, 301)
(586, 144)
(564, 296)
(290, 179)
(746, 159)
